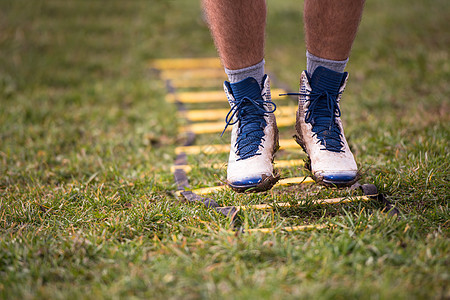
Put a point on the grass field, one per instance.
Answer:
(87, 205)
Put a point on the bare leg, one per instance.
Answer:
(238, 28)
(330, 27)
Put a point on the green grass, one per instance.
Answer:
(87, 205)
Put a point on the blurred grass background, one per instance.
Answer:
(86, 143)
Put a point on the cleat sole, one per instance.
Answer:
(265, 184)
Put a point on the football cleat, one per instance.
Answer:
(254, 136)
(319, 128)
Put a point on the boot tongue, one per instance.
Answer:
(248, 87)
(324, 79)
(324, 111)
(251, 119)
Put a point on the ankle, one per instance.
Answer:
(312, 62)
(256, 71)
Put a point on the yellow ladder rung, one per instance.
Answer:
(217, 166)
(282, 182)
(294, 180)
(186, 63)
(289, 163)
(209, 96)
(208, 127)
(193, 74)
(219, 114)
(185, 168)
(209, 190)
(188, 168)
(207, 149)
(212, 127)
(319, 201)
(223, 148)
(288, 228)
(203, 83)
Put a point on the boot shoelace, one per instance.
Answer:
(322, 111)
(249, 115)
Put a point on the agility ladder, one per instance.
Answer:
(200, 77)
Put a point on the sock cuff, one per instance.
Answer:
(312, 56)
(256, 71)
(314, 61)
(246, 69)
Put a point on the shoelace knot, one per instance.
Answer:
(322, 111)
(249, 115)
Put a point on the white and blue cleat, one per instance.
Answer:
(319, 128)
(254, 137)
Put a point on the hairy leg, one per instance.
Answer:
(238, 28)
(330, 27)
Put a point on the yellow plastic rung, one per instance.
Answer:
(208, 127)
(209, 96)
(203, 83)
(205, 114)
(198, 97)
(219, 114)
(289, 163)
(319, 201)
(294, 180)
(214, 149)
(288, 228)
(207, 149)
(282, 182)
(211, 127)
(185, 168)
(188, 168)
(193, 74)
(218, 166)
(210, 190)
(186, 63)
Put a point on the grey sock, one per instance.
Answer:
(312, 62)
(255, 71)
